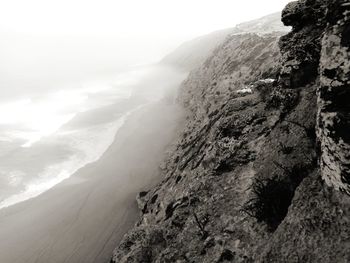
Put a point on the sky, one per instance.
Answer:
(130, 17)
(50, 41)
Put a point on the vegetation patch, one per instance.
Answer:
(270, 203)
(273, 196)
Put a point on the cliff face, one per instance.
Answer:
(193, 53)
(267, 125)
(333, 127)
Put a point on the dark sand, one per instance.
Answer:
(82, 219)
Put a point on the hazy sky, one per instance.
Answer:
(44, 43)
(128, 17)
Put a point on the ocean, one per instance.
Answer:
(45, 138)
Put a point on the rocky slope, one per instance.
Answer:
(193, 53)
(256, 174)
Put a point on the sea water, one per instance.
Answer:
(45, 138)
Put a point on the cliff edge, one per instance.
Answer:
(191, 54)
(261, 171)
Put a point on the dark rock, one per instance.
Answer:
(227, 255)
(301, 48)
(254, 142)
(333, 128)
(292, 14)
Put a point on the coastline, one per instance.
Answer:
(260, 173)
(82, 218)
(84, 138)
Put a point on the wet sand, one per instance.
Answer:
(83, 218)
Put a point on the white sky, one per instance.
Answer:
(176, 18)
(49, 45)
(47, 42)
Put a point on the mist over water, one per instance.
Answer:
(50, 130)
(41, 63)
(63, 98)
(85, 175)
(87, 114)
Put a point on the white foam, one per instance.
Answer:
(40, 119)
(87, 151)
(32, 119)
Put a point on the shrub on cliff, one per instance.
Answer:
(271, 200)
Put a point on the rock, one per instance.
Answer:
(333, 127)
(245, 180)
(301, 47)
(292, 14)
(141, 201)
(190, 55)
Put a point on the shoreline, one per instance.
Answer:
(87, 214)
(109, 116)
(28, 194)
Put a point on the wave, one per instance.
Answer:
(87, 151)
(85, 123)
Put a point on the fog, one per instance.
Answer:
(87, 115)
(84, 217)
(42, 63)
(45, 44)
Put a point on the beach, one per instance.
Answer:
(82, 218)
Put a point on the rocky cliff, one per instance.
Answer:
(261, 171)
(193, 53)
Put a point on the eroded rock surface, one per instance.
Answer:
(190, 55)
(244, 183)
(334, 99)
